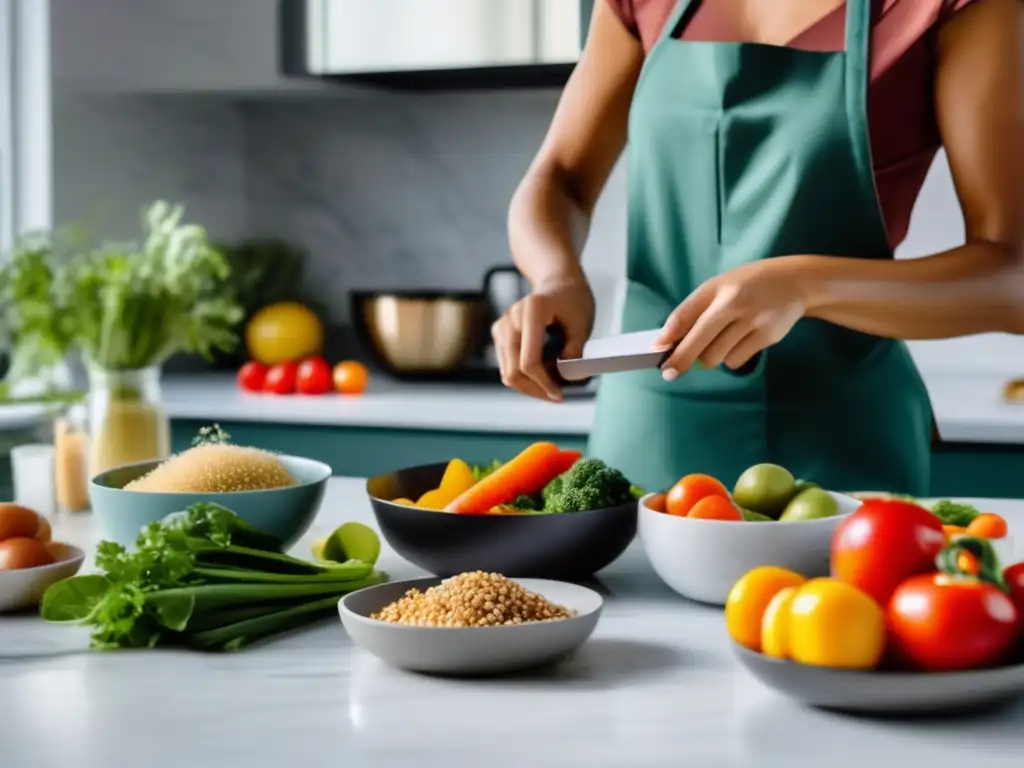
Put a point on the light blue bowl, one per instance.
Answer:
(284, 512)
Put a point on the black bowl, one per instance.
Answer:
(567, 546)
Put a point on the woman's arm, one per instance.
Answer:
(979, 286)
(550, 211)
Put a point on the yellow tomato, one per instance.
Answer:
(832, 624)
(749, 598)
(283, 332)
(775, 624)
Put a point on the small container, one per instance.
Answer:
(32, 469)
(71, 447)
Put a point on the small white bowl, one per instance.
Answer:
(475, 650)
(702, 559)
(24, 587)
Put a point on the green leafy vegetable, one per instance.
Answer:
(480, 471)
(203, 578)
(954, 512)
(123, 306)
(588, 484)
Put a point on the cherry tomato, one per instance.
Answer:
(657, 502)
(281, 379)
(715, 508)
(884, 543)
(691, 489)
(252, 376)
(313, 376)
(350, 377)
(1014, 576)
(749, 598)
(939, 622)
(987, 526)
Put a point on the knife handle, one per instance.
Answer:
(554, 343)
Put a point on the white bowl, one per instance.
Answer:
(473, 650)
(702, 559)
(24, 587)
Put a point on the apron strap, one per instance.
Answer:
(677, 19)
(859, 17)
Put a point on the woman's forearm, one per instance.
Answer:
(547, 228)
(976, 288)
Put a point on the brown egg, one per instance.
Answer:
(44, 532)
(23, 552)
(16, 520)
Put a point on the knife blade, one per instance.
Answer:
(610, 354)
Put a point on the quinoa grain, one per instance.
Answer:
(475, 599)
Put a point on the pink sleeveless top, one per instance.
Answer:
(901, 109)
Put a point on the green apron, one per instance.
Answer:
(739, 152)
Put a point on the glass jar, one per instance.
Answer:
(127, 420)
(71, 459)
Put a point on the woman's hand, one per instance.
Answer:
(732, 317)
(519, 334)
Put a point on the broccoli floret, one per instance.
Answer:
(589, 484)
(954, 513)
(526, 503)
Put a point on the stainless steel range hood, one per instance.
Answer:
(356, 39)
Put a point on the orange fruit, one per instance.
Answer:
(749, 598)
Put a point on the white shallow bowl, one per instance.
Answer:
(702, 559)
(476, 650)
(24, 587)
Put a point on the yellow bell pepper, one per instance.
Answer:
(457, 479)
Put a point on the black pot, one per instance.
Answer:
(566, 546)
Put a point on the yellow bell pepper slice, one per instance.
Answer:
(457, 479)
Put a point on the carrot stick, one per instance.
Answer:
(565, 460)
(524, 475)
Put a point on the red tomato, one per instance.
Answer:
(281, 379)
(939, 622)
(313, 376)
(252, 376)
(1014, 576)
(884, 543)
(691, 489)
(351, 377)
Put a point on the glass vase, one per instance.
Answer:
(127, 420)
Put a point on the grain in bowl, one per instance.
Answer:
(474, 599)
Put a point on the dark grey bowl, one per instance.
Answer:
(284, 512)
(567, 546)
(887, 693)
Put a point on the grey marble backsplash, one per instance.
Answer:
(394, 190)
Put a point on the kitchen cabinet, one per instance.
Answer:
(966, 470)
(168, 46)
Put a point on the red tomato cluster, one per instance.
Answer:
(948, 606)
(311, 376)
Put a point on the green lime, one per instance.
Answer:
(803, 485)
(765, 489)
(812, 504)
(754, 517)
(352, 541)
(318, 549)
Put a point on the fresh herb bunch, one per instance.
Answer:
(202, 579)
(123, 306)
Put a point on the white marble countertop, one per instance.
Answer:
(968, 407)
(655, 686)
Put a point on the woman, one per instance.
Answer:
(764, 207)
